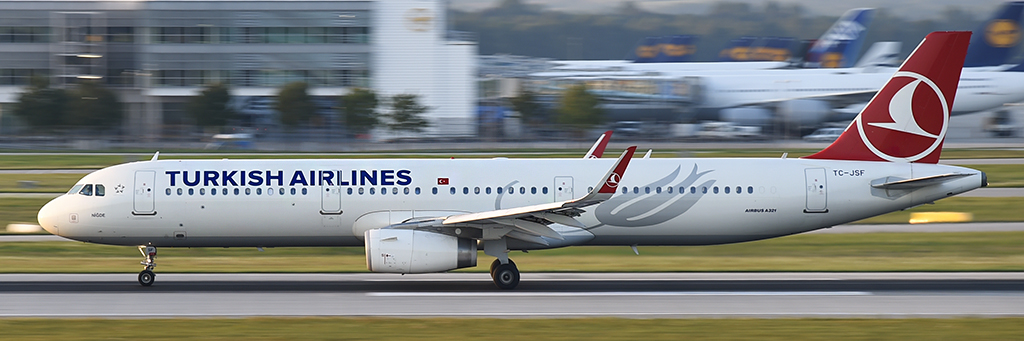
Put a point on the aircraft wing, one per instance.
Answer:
(529, 223)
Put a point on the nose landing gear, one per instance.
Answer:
(147, 277)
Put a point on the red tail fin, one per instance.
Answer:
(907, 120)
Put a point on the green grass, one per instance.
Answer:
(983, 209)
(45, 183)
(20, 210)
(505, 329)
(974, 251)
(1002, 175)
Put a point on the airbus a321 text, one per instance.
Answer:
(433, 215)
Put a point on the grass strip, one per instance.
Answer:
(504, 329)
(1002, 175)
(960, 251)
(983, 209)
(20, 210)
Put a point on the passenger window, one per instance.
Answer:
(293, 191)
(476, 190)
(750, 189)
(191, 191)
(739, 190)
(373, 191)
(236, 191)
(383, 191)
(544, 190)
(657, 189)
(647, 190)
(434, 190)
(511, 190)
(202, 191)
(224, 191)
(394, 190)
(716, 189)
(625, 190)
(75, 189)
(499, 189)
(636, 190)
(451, 190)
(179, 191)
(669, 190)
(417, 191)
(100, 190)
(522, 190)
(349, 191)
(213, 191)
(406, 190)
(281, 191)
(248, 191)
(704, 190)
(168, 191)
(590, 189)
(361, 191)
(487, 190)
(727, 190)
(465, 190)
(259, 191)
(86, 190)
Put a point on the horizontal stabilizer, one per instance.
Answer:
(919, 182)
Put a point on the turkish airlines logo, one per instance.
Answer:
(613, 180)
(910, 131)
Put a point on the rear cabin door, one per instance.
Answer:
(145, 194)
(817, 190)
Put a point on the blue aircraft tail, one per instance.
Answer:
(997, 37)
(849, 29)
(737, 50)
(678, 48)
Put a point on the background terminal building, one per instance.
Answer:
(157, 53)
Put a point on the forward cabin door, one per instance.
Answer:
(563, 188)
(145, 194)
(817, 190)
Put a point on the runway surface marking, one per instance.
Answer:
(619, 293)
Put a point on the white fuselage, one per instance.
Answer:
(664, 202)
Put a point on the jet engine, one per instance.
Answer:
(414, 251)
(803, 112)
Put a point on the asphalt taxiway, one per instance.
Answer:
(637, 295)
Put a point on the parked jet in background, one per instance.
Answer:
(432, 215)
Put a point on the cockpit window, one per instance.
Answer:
(75, 189)
(100, 190)
(86, 190)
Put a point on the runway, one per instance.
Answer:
(634, 295)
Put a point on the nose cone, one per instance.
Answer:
(49, 216)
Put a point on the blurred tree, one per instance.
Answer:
(295, 104)
(578, 109)
(359, 110)
(529, 109)
(406, 114)
(41, 106)
(210, 108)
(94, 106)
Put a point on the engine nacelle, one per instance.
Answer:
(413, 251)
(803, 112)
(747, 116)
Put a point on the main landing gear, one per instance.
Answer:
(503, 270)
(505, 276)
(146, 277)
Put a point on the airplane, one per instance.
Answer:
(849, 28)
(434, 215)
(809, 97)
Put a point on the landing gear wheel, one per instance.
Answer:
(146, 278)
(496, 262)
(506, 276)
